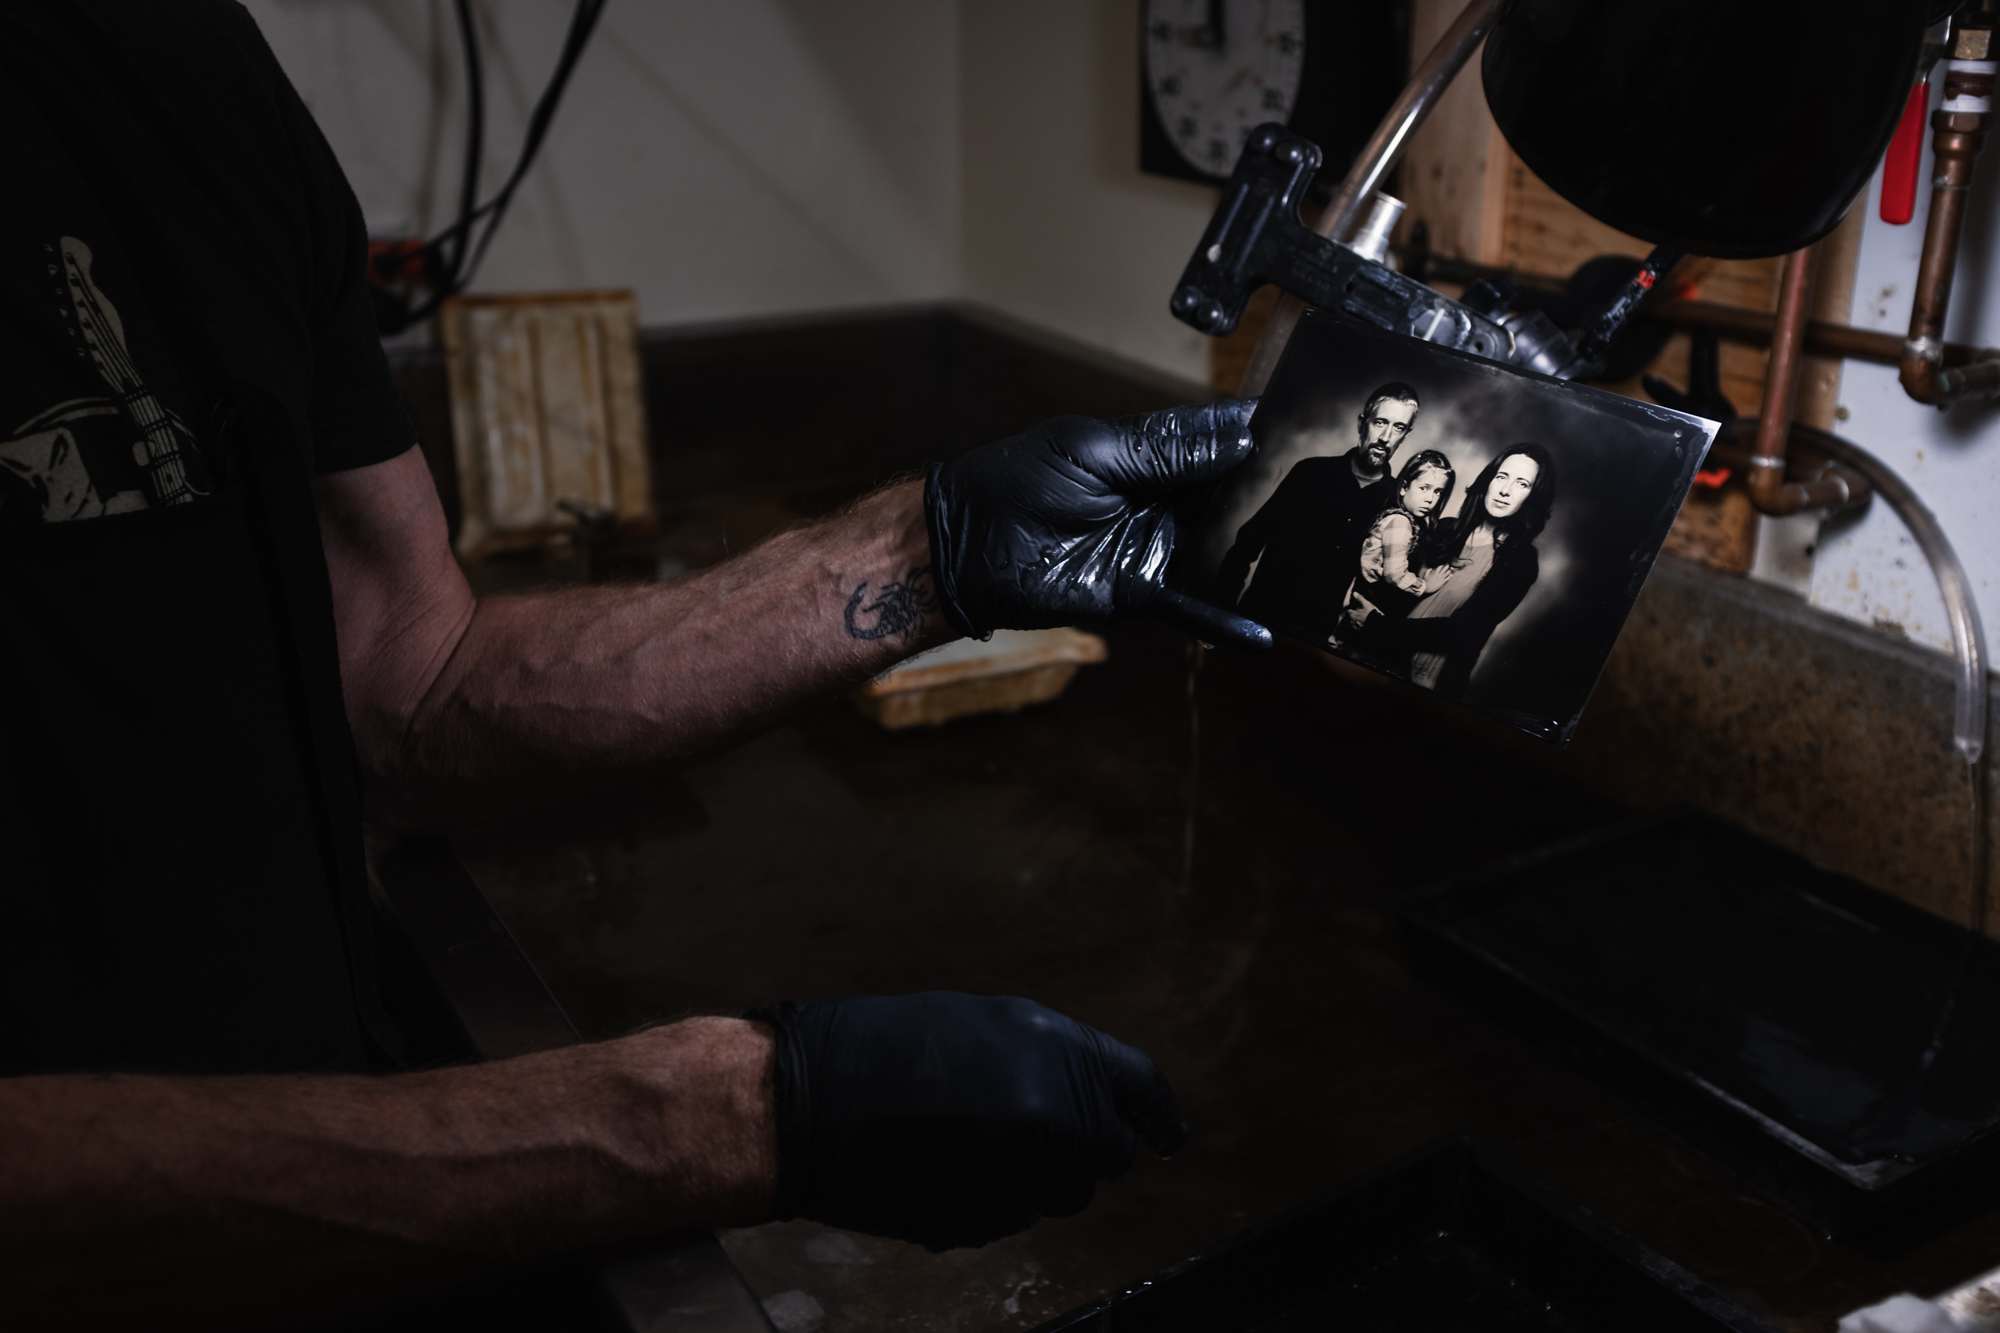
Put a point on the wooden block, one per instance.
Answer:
(1546, 235)
(1009, 672)
(546, 408)
(1718, 528)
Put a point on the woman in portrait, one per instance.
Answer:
(1485, 562)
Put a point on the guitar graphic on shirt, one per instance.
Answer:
(98, 454)
(164, 444)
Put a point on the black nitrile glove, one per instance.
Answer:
(1068, 522)
(950, 1119)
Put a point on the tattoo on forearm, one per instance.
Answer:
(897, 609)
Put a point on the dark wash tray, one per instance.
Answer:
(1450, 1240)
(1788, 1006)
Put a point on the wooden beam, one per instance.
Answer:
(1453, 175)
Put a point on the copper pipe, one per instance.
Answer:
(1410, 110)
(1770, 489)
(1822, 337)
(1981, 379)
(1956, 137)
(1738, 324)
(1850, 489)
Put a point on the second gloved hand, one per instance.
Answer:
(1069, 522)
(950, 1119)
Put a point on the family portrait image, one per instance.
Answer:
(1475, 530)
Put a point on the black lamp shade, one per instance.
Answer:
(1736, 128)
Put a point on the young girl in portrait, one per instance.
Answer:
(1387, 583)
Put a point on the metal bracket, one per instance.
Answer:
(1256, 238)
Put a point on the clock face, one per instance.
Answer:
(1217, 69)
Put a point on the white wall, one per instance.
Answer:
(764, 157)
(1871, 570)
(724, 159)
(1061, 229)
(759, 157)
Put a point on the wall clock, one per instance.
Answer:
(1213, 70)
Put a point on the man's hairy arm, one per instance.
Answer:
(459, 701)
(226, 1200)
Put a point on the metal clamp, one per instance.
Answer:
(1256, 238)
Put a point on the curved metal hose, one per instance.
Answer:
(1968, 638)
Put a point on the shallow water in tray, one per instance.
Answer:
(1808, 999)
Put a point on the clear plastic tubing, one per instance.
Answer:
(1968, 638)
(1968, 641)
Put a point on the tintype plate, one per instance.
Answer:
(1470, 528)
(1780, 1012)
(1449, 1240)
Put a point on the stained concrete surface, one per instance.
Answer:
(1044, 854)
(1047, 854)
(1832, 740)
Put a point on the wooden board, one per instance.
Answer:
(1011, 671)
(1838, 261)
(1229, 357)
(1453, 174)
(545, 409)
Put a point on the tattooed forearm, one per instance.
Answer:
(896, 610)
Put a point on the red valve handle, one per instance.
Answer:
(1906, 154)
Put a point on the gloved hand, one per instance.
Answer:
(1067, 522)
(952, 1119)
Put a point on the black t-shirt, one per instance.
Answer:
(186, 336)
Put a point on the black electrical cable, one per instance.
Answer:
(451, 257)
(475, 134)
(582, 22)
(442, 260)
(587, 14)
